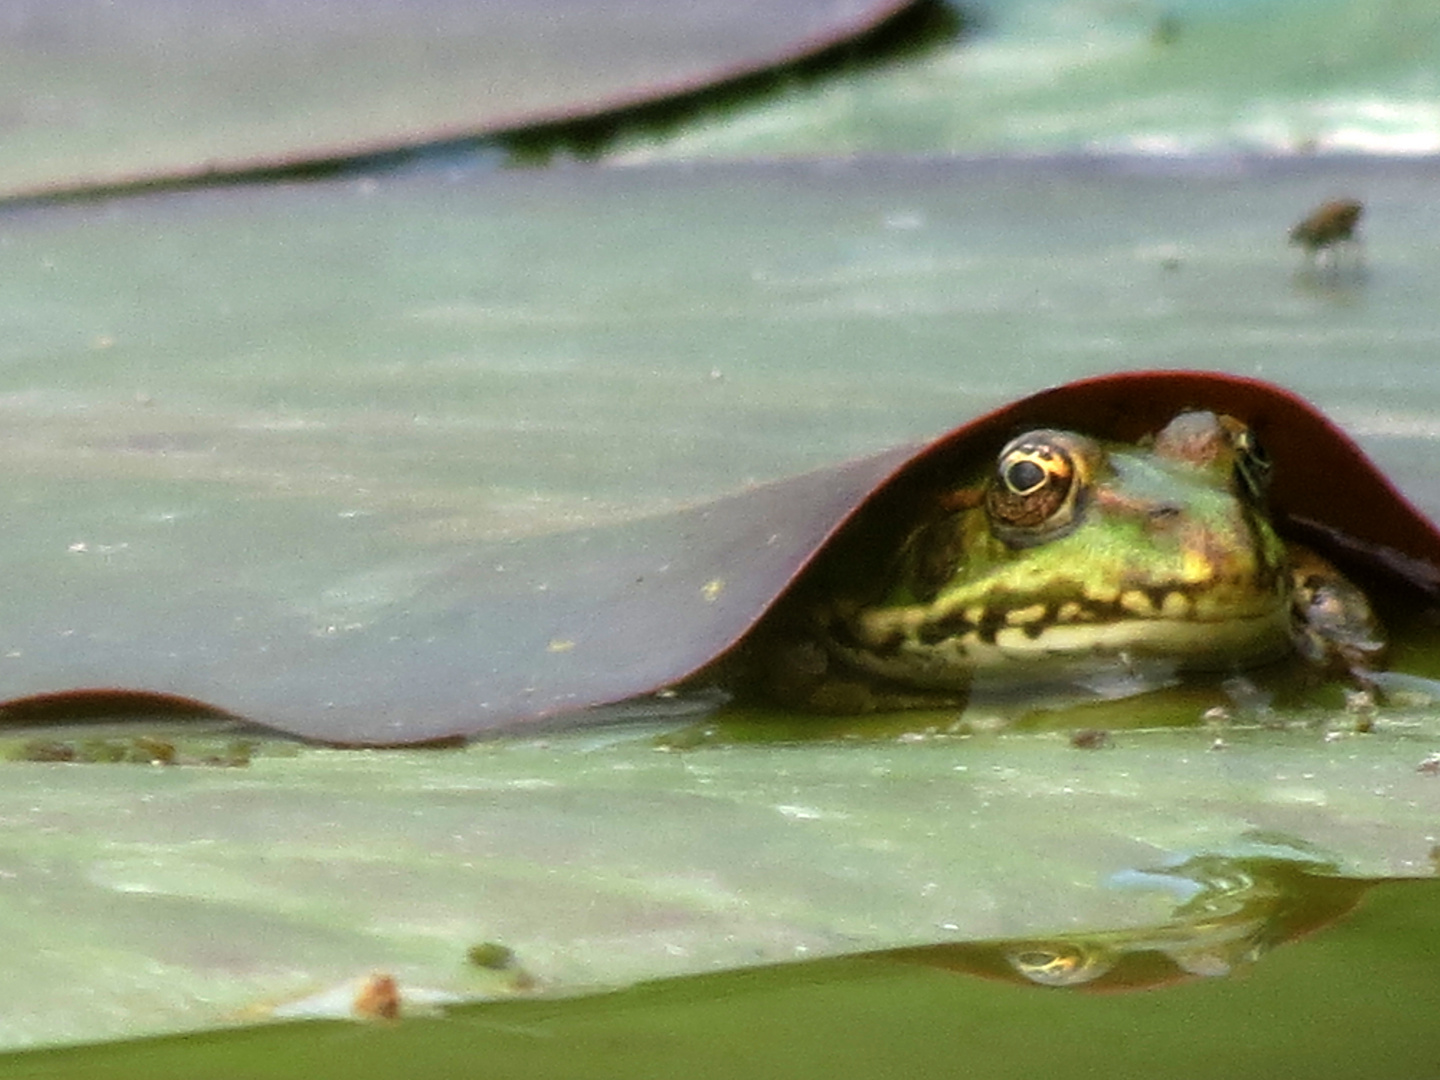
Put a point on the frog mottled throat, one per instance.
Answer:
(1075, 562)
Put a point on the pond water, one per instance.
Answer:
(1157, 78)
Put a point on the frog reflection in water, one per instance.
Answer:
(1072, 561)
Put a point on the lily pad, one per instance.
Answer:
(293, 493)
(189, 897)
(96, 94)
(859, 1016)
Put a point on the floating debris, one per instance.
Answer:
(378, 999)
(45, 750)
(501, 959)
(378, 996)
(1166, 30)
(1361, 705)
(491, 956)
(130, 750)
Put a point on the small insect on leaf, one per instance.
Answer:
(1328, 224)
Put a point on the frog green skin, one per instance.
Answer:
(1067, 560)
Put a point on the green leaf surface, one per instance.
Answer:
(290, 402)
(100, 93)
(142, 898)
(243, 428)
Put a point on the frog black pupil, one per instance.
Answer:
(1024, 477)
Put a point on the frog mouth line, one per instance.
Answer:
(1050, 645)
(1203, 605)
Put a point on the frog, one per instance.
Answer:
(1067, 560)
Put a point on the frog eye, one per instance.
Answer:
(1034, 495)
(1061, 964)
(1028, 473)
